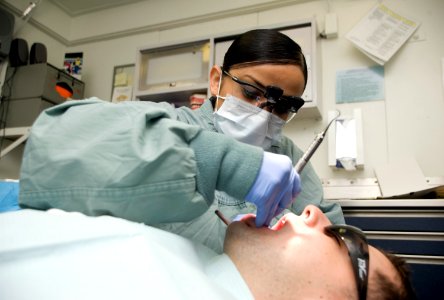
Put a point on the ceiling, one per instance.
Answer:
(79, 7)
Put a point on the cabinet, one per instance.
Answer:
(33, 89)
(410, 228)
(174, 72)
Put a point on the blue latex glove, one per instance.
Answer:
(276, 185)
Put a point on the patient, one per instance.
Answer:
(50, 255)
(300, 257)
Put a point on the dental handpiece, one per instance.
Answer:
(309, 153)
(313, 147)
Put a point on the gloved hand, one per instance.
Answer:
(276, 185)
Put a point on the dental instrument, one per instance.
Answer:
(222, 217)
(313, 147)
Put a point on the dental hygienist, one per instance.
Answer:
(255, 93)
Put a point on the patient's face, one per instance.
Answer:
(299, 249)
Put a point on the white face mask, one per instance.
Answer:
(247, 123)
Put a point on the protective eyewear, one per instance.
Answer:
(357, 246)
(276, 101)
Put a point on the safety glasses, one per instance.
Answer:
(357, 246)
(275, 99)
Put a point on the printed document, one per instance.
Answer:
(381, 33)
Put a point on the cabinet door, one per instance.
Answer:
(174, 73)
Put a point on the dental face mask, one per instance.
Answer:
(247, 123)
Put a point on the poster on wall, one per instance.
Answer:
(381, 33)
(73, 64)
(122, 88)
(360, 85)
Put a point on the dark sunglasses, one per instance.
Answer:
(275, 99)
(357, 246)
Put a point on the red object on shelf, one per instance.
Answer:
(196, 100)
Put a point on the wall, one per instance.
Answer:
(409, 122)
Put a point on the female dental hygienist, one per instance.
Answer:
(255, 93)
(172, 168)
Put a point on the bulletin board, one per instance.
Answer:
(123, 83)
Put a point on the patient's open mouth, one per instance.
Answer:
(248, 219)
(279, 224)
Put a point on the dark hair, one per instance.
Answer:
(384, 288)
(264, 46)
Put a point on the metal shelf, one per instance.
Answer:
(20, 133)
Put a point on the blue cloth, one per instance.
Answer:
(9, 196)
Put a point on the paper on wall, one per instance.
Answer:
(122, 93)
(121, 79)
(381, 33)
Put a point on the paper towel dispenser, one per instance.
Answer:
(345, 142)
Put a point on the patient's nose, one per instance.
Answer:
(313, 216)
